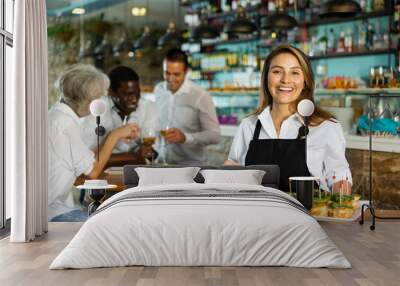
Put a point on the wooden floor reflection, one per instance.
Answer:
(374, 255)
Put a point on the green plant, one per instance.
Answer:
(62, 32)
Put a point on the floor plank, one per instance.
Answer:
(374, 255)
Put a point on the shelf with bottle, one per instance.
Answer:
(364, 38)
(344, 54)
(353, 54)
(362, 16)
(240, 40)
(230, 11)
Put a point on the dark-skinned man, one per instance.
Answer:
(188, 118)
(124, 105)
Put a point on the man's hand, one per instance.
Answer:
(174, 135)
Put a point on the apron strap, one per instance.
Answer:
(257, 130)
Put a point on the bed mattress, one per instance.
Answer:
(201, 225)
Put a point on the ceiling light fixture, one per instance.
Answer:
(340, 8)
(204, 30)
(241, 25)
(139, 11)
(78, 11)
(280, 20)
(146, 40)
(171, 38)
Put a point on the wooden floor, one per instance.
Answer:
(375, 256)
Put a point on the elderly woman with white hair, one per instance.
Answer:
(69, 157)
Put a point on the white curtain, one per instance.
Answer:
(26, 118)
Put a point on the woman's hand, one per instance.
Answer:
(130, 130)
(231, 163)
(344, 185)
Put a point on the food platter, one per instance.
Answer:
(356, 215)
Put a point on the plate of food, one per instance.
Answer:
(337, 207)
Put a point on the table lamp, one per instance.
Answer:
(305, 108)
(97, 109)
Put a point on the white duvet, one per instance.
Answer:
(183, 231)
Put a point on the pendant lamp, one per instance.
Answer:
(340, 8)
(185, 3)
(204, 30)
(103, 50)
(124, 46)
(146, 40)
(171, 38)
(280, 20)
(87, 51)
(241, 25)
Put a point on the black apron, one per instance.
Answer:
(289, 154)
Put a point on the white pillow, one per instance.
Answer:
(249, 177)
(166, 176)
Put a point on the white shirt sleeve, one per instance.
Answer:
(240, 143)
(82, 158)
(210, 131)
(335, 163)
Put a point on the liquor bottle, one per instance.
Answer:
(370, 37)
(226, 5)
(348, 42)
(370, 6)
(362, 35)
(340, 47)
(396, 20)
(216, 6)
(331, 41)
(271, 6)
(379, 5)
(363, 5)
(398, 59)
(377, 37)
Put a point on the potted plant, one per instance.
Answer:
(62, 32)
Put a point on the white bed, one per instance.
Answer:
(225, 225)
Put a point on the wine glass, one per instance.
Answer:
(149, 139)
(162, 151)
(164, 129)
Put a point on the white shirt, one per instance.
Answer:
(326, 145)
(146, 116)
(69, 157)
(192, 111)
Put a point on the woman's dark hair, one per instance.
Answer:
(177, 55)
(319, 114)
(120, 74)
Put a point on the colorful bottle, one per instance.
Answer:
(349, 41)
(362, 35)
(340, 47)
(370, 37)
(331, 41)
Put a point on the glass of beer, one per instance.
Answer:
(149, 139)
(163, 131)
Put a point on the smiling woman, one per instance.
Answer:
(272, 134)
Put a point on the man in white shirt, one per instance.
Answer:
(124, 105)
(188, 117)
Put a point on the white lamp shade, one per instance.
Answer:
(97, 107)
(305, 107)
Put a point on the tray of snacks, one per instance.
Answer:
(336, 207)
